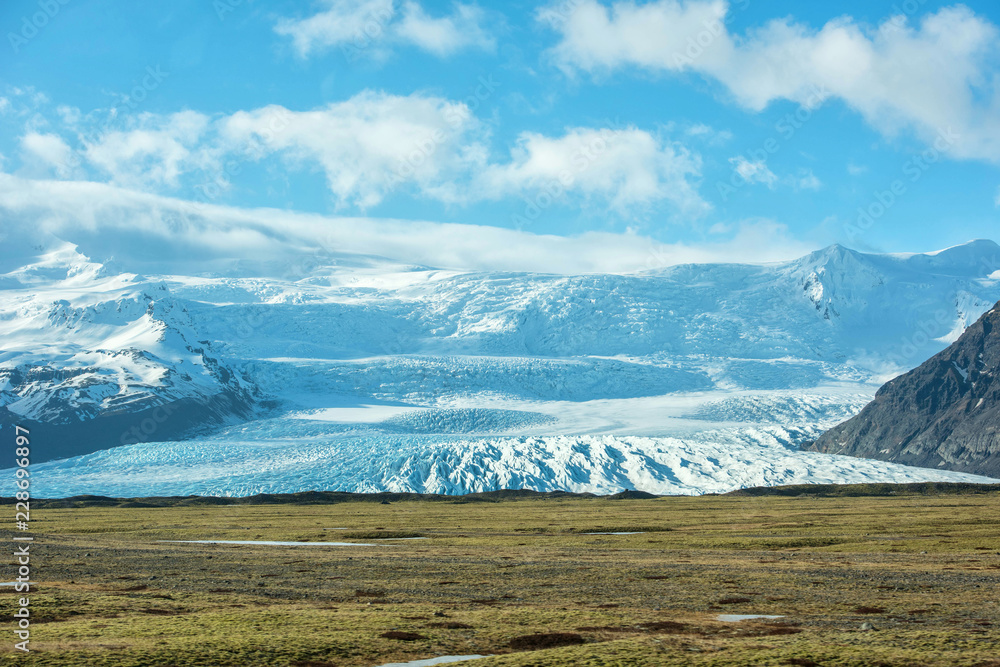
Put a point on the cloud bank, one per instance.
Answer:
(148, 233)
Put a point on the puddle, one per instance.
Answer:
(641, 532)
(13, 583)
(433, 661)
(268, 543)
(736, 618)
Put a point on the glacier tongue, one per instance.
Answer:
(713, 462)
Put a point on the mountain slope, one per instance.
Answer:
(944, 414)
(92, 359)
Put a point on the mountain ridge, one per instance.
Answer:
(945, 413)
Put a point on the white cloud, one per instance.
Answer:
(626, 167)
(152, 233)
(360, 25)
(156, 152)
(757, 171)
(22, 100)
(709, 134)
(370, 144)
(938, 78)
(806, 180)
(653, 35)
(50, 151)
(856, 169)
(374, 144)
(69, 115)
(446, 35)
(753, 172)
(343, 22)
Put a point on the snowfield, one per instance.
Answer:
(369, 375)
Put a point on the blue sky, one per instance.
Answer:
(742, 130)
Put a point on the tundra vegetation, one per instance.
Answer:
(528, 579)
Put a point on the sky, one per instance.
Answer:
(707, 130)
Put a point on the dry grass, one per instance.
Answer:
(521, 580)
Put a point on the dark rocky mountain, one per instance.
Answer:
(943, 414)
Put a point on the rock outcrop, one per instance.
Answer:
(944, 414)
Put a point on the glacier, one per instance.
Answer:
(715, 462)
(359, 373)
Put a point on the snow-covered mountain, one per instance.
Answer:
(371, 374)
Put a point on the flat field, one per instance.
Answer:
(523, 580)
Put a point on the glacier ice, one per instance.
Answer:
(372, 375)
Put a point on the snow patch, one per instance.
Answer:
(961, 371)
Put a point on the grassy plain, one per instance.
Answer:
(520, 580)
